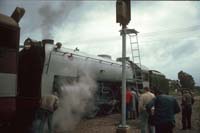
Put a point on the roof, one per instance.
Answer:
(157, 72)
(144, 68)
(8, 21)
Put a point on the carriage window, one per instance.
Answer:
(145, 76)
(8, 61)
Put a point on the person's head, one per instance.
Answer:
(27, 43)
(158, 92)
(128, 89)
(146, 89)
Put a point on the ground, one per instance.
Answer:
(108, 124)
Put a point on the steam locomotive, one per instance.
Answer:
(36, 69)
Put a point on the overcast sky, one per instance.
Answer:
(169, 30)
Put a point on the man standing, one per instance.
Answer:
(128, 102)
(165, 108)
(134, 103)
(187, 101)
(144, 99)
(49, 104)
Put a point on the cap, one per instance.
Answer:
(28, 41)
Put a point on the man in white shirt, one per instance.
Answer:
(144, 99)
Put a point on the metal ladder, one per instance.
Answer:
(135, 53)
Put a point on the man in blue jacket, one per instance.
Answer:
(165, 109)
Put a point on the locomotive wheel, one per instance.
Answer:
(106, 109)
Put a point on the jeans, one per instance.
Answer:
(186, 116)
(42, 116)
(151, 129)
(128, 110)
(143, 121)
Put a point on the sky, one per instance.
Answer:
(169, 31)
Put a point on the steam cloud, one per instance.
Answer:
(76, 100)
(53, 18)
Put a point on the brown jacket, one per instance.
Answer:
(49, 102)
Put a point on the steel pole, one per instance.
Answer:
(123, 76)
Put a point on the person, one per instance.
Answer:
(187, 101)
(128, 102)
(165, 109)
(49, 104)
(144, 99)
(134, 103)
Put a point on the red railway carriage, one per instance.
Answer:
(9, 43)
(9, 50)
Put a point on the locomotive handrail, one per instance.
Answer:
(101, 61)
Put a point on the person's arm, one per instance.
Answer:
(176, 107)
(56, 103)
(192, 99)
(150, 104)
(183, 100)
(140, 106)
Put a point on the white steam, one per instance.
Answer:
(77, 99)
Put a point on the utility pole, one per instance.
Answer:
(123, 16)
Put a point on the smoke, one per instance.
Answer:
(77, 99)
(54, 17)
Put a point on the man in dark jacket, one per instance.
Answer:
(165, 108)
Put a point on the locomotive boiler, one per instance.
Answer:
(44, 67)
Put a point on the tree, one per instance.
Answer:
(186, 80)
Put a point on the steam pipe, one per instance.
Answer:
(18, 14)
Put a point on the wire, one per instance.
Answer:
(148, 42)
(175, 30)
